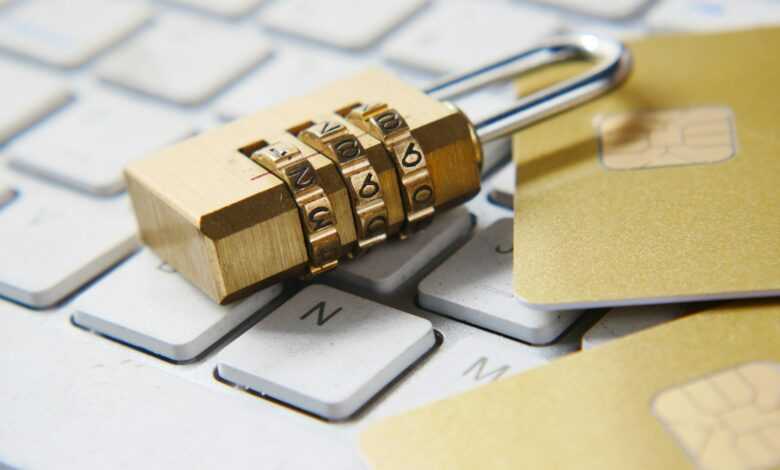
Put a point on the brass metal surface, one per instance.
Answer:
(389, 126)
(231, 226)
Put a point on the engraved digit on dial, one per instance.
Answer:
(301, 175)
(389, 121)
(412, 156)
(328, 127)
(347, 149)
(369, 187)
(320, 217)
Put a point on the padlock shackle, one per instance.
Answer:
(613, 63)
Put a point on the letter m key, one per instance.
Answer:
(322, 318)
(481, 374)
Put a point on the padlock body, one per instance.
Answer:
(229, 226)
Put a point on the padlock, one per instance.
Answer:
(293, 189)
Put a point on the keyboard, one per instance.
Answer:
(110, 359)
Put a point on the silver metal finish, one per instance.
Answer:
(612, 65)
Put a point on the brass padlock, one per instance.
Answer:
(291, 190)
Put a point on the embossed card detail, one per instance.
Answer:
(729, 420)
(649, 139)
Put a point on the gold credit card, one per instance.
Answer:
(667, 189)
(699, 392)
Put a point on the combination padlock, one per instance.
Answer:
(293, 189)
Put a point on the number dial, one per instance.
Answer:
(323, 243)
(387, 125)
(333, 139)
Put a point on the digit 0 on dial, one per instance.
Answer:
(387, 125)
(332, 138)
(287, 162)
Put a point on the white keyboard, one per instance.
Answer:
(110, 359)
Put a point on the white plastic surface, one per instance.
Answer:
(475, 285)
(624, 321)
(184, 59)
(292, 71)
(27, 95)
(461, 34)
(114, 130)
(67, 33)
(326, 351)
(145, 303)
(342, 23)
(228, 8)
(54, 240)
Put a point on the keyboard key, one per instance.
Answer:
(457, 35)
(184, 60)
(385, 268)
(475, 285)
(290, 72)
(53, 241)
(88, 145)
(610, 9)
(112, 407)
(342, 23)
(229, 8)
(146, 304)
(470, 362)
(68, 33)
(27, 95)
(710, 15)
(624, 321)
(326, 351)
(502, 186)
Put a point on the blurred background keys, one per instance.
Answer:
(184, 60)
(120, 130)
(342, 23)
(227, 8)
(458, 35)
(55, 32)
(27, 96)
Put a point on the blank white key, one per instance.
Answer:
(184, 59)
(471, 362)
(27, 95)
(385, 268)
(145, 303)
(326, 351)
(502, 186)
(710, 15)
(229, 8)
(609, 9)
(89, 143)
(290, 72)
(343, 23)
(68, 33)
(457, 35)
(475, 285)
(54, 240)
(624, 321)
